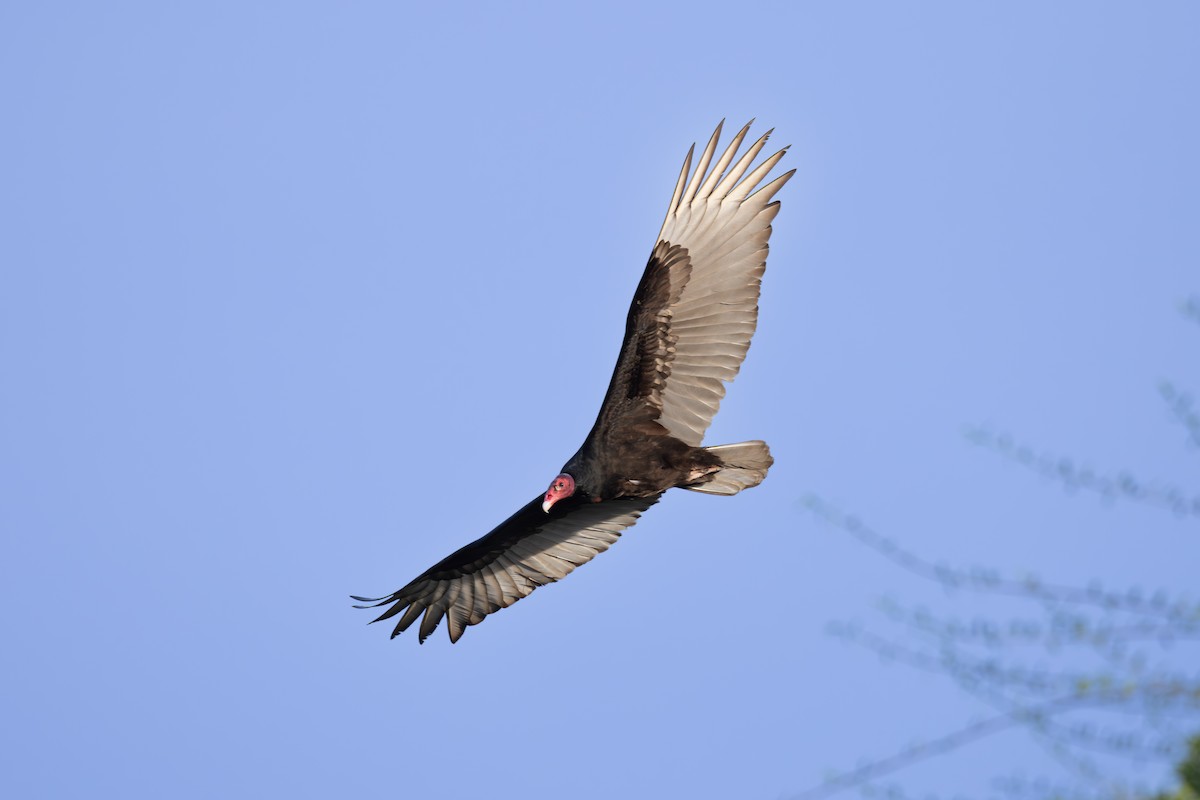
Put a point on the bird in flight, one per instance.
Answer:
(687, 332)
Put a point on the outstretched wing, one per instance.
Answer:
(529, 549)
(694, 312)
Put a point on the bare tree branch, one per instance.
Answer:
(1183, 409)
(1064, 470)
(1190, 308)
(924, 751)
(1093, 674)
(981, 579)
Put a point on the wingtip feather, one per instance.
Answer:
(718, 171)
(770, 189)
(702, 165)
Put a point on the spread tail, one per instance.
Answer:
(745, 464)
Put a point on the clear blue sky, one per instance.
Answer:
(297, 298)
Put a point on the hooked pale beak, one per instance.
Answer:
(547, 505)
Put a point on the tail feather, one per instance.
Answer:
(745, 464)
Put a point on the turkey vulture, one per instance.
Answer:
(687, 332)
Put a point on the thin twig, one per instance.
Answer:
(921, 752)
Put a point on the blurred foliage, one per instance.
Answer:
(1091, 672)
(1189, 776)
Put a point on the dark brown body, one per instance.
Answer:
(613, 463)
